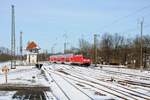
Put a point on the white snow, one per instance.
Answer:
(79, 83)
(22, 75)
(100, 77)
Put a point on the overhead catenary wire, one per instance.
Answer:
(134, 29)
(126, 16)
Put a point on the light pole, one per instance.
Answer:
(95, 49)
(65, 43)
(13, 39)
(52, 48)
(141, 61)
(21, 46)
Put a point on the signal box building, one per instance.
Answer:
(32, 52)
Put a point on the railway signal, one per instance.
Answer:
(5, 69)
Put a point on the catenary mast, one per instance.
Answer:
(13, 39)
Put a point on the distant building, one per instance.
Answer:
(32, 52)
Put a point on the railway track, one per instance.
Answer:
(124, 91)
(77, 88)
(72, 85)
(57, 85)
(117, 72)
(122, 79)
(122, 73)
(121, 89)
(50, 96)
(92, 84)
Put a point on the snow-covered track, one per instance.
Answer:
(62, 91)
(118, 85)
(95, 85)
(122, 90)
(50, 96)
(60, 87)
(123, 73)
(117, 72)
(129, 77)
(122, 79)
(87, 97)
(82, 81)
(77, 88)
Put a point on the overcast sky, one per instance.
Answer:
(46, 21)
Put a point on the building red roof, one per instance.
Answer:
(32, 45)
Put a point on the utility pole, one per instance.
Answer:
(65, 47)
(65, 43)
(141, 61)
(13, 43)
(53, 47)
(21, 54)
(95, 49)
(12, 39)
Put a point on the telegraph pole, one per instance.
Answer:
(141, 61)
(52, 49)
(65, 43)
(13, 43)
(65, 48)
(95, 49)
(21, 46)
(12, 38)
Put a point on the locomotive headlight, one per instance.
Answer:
(84, 60)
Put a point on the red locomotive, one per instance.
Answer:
(70, 59)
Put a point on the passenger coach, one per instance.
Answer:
(70, 59)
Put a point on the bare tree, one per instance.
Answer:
(106, 47)
(85, 48)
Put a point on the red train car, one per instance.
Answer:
(70, 59)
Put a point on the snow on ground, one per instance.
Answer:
(5, 95)
(4, 63)
(64, 90)
(71, 92)
(23, 75)
(79, 83)
(101, 81)
(124, 69)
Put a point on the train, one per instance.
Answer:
(70, 59)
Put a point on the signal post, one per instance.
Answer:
(5, 70)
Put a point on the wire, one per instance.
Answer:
(117, 20)
(134, 29)
(146, 26)
(129, 30)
